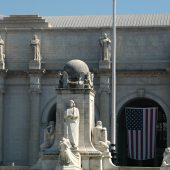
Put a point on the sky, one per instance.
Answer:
(82, 7)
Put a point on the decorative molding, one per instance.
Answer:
(140, 92)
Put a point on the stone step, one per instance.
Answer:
(138, 168)
(14, 167)
(20, 21)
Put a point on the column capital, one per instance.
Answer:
(104, 65)
(35, 80)
(104, 90)
(36, 72)
(3, 73)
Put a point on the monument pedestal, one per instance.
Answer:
(107, 162)
(74, 125)
(52, 162)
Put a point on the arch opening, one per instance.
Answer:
(52, 114)
(161, 134)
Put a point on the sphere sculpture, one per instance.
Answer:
(76, 74)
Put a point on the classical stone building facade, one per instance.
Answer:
(31, 65)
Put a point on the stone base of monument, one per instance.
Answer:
(34, 65)
(46, 162)
(72, 167)
(104, 65)
(107, 162)
(52, 162)
(165, 168)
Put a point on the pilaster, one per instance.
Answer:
(2, 82)
(104, 93)
(35, 92)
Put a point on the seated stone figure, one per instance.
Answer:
(99, 138)
(166, 157)
(66, 156)
(49, 136)
(65, 146)
(88, 81)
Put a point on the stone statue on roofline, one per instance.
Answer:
(105, 43)
(2, 55)
(35, 44)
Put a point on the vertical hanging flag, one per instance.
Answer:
(141, 128)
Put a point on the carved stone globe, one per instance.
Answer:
(74, 68)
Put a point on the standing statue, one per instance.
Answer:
(71, 118)
(105, 42)
(2, 55)
(35, 43)
(99, 138)
(166, 158)
(49, 136)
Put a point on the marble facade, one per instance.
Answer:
(29, 78)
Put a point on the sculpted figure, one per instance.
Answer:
(35, 43)
(65, 146)
(71, 124)
(105, 43)
(67, 156)
(49, 136)
(2, 55)
(166, 157)
(88, 82)
(99, 137)
(63, 81)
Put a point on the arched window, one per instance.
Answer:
(161, 134)
(52, 114)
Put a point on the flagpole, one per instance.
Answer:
(113, 115)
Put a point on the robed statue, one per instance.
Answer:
(71, 124)
(99, 137)
(2, 55)
(35, 43)
(105, 43)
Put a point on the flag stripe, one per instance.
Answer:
(151, 129)
(132, 144)
(154, 132)
(141, 145)
(146, 156)
(130, 148)
(144, 135)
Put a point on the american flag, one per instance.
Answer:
(141, 127)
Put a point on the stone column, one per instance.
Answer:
(2, 76)
(35, 91)
(104, 93)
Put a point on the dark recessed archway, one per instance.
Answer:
(161, 133)
(52, 114)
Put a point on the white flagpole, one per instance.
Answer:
(113, 115)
